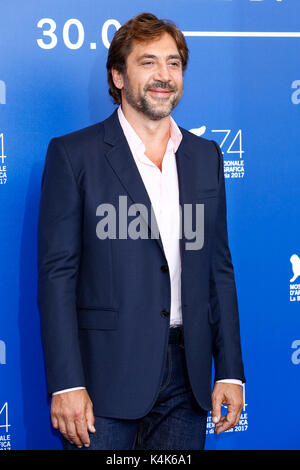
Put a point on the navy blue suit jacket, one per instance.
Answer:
(105, 304)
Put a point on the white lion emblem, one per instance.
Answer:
(295, 260)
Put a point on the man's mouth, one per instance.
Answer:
(160, 92)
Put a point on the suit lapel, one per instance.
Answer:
(186, 176)
(121, 160)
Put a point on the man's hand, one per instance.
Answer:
(232, 396)
(72, 414)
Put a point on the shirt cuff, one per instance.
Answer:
(231, 381)
(68, 390)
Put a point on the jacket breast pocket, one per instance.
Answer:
(98, 318)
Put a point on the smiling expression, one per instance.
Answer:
(153, 80)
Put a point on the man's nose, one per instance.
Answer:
(162, 73)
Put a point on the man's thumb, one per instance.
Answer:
(216, 412)
(90, 419)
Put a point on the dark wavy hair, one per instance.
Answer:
(143, 27)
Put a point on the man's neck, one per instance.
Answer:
(151, 132)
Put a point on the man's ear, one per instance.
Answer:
(117, 78)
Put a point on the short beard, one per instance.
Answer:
(142, 105)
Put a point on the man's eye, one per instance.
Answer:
(176, 64)
(147, 63)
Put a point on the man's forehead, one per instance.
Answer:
(162, 45)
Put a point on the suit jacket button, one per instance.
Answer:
(164, 268)
(165, 313)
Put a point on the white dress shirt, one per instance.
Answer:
(163, 192)
(162, 189)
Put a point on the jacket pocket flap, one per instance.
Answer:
(203, 194)
(98, 319)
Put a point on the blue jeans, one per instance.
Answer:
(176, 421)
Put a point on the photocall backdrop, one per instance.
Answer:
(242, 89)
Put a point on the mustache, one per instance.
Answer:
(161, 85)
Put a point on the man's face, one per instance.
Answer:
(153, 81)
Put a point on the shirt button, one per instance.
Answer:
(164, 268)
(165, 313)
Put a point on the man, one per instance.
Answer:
(132, 317)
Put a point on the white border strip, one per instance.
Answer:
(244, 34)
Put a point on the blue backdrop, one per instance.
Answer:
(242, 88)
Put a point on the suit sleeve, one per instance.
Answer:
(223, 296)
(59, 244)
